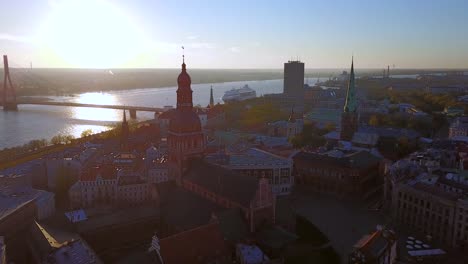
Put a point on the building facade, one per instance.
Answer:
(436, 206)
(353, 174)
(107, 186)
(459, 127)
(293, 84)
(287, 128)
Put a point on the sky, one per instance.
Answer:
(234, 34)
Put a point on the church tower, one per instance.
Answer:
(211, 97)
(125, 132)
(349, 117)
(185, 139)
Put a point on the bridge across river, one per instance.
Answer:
(131, 109)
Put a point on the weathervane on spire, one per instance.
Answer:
(183, 54)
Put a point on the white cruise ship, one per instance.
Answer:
(240, 94)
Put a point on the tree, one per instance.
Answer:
(62, 139)
(86, 133)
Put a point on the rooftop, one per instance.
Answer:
(372, 245)
(235, 187)
(249, 157)
(360, 159)
(12, 198)
(198, 245)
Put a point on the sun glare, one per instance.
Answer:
(92, 34)
(96, 114)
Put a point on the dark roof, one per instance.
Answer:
(232, 225)
(374, 244)
(284, 213)
(183, 209)
(390, 132)
(275, 237)
(434, 190)
(361, 159)
(199, 245)
(235, 187)
(184, 121)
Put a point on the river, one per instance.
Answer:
(44, 122)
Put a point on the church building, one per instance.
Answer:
(349, 117)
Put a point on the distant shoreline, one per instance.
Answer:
(69, 82)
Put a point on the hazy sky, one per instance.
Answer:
(235, 33)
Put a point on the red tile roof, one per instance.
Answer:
(198, 245)
(215, 111)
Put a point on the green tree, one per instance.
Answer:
(86, 133)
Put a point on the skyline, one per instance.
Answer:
(148, 34)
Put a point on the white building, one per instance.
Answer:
(158, 172)
(108, 186)
(290, 128)
(459, 127)
(434, 205)
(95, 186)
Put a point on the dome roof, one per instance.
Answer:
(184, 80)
(184, 122)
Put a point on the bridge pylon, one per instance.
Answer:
(8, 93)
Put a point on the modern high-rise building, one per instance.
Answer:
(293, 85)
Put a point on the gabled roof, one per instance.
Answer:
(199, 245)
(235, 187)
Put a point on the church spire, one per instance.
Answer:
(211, 97)
(292, 118)
(125, 130)
(351, 104)
(184, 91)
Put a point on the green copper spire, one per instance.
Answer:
(211, 97)
(351, 104)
